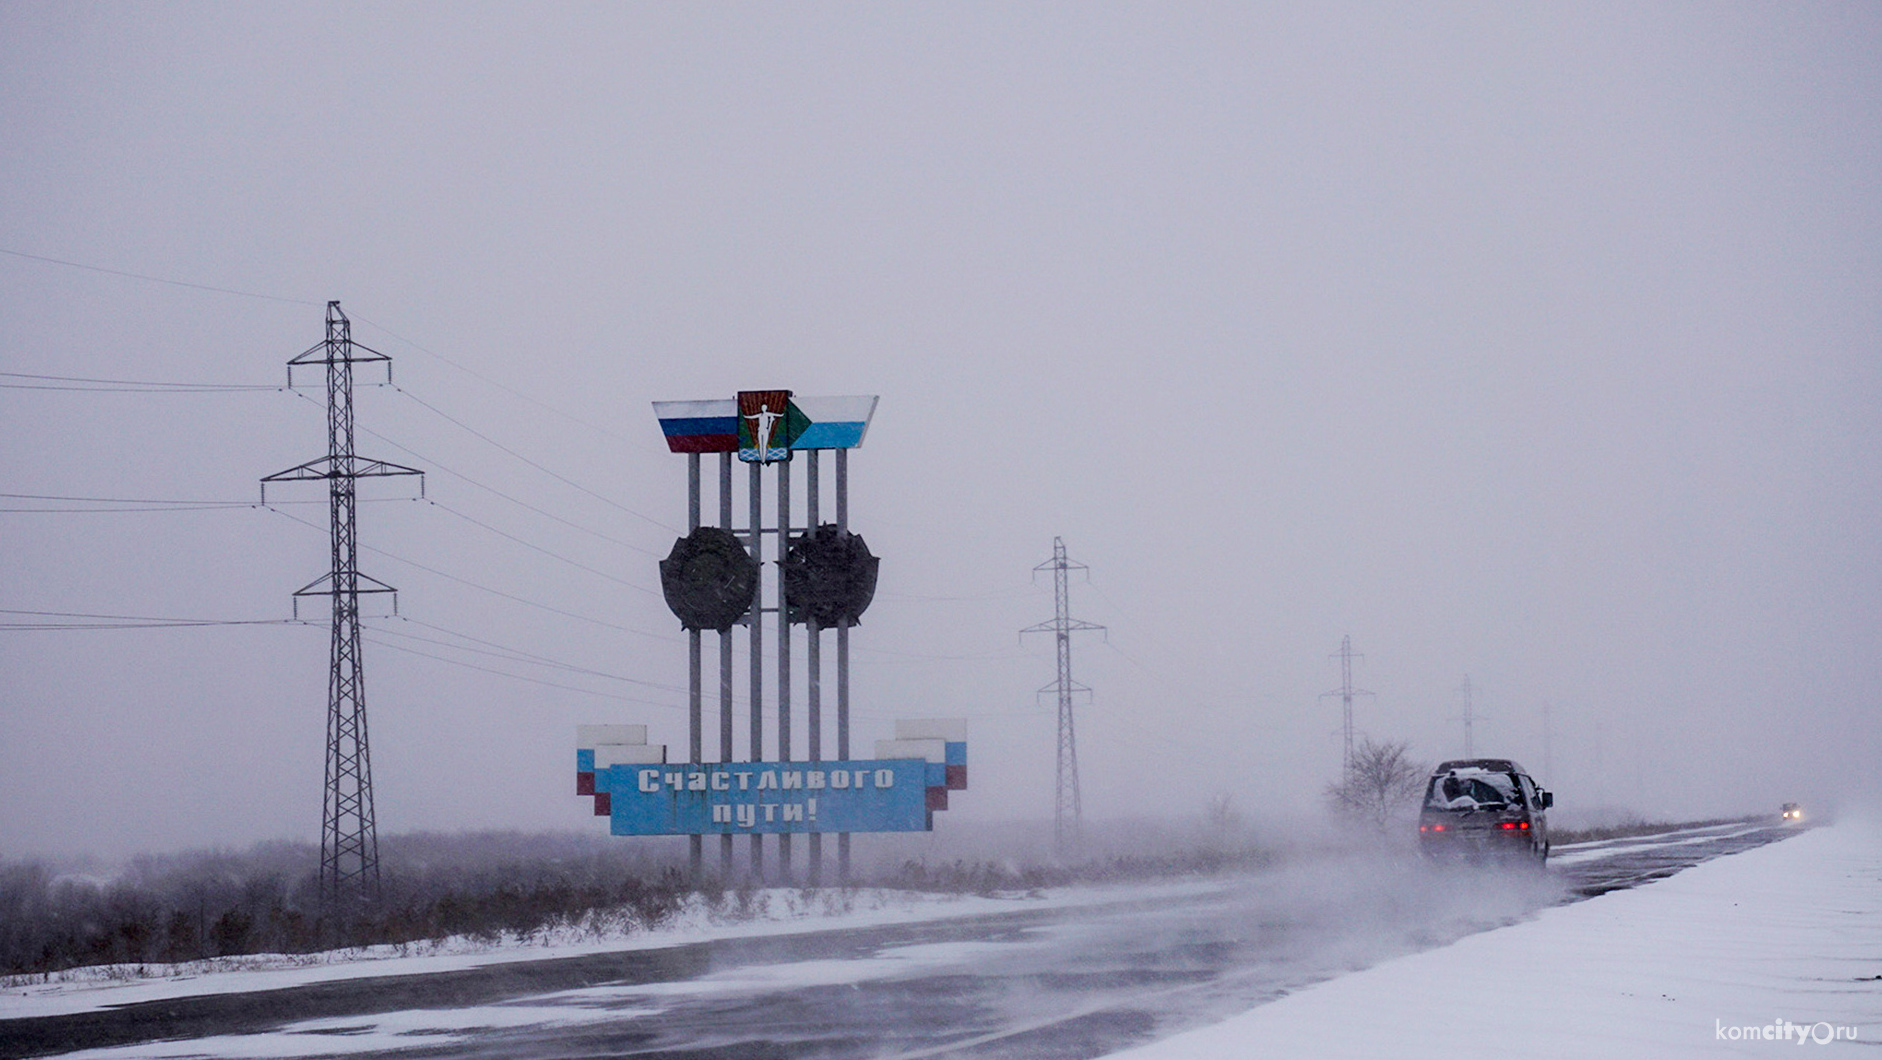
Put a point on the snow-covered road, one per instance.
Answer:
(1072, 974)
(1782, 941)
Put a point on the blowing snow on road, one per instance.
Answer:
(1086, 972)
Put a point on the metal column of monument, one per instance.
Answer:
(1068, 810)
(349, 838)
(821, 577)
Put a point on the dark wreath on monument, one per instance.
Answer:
(709, 579)
(829, 576)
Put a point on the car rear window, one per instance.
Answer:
(1467, 789)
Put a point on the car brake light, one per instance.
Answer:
(1524, 826)
(1507, 825)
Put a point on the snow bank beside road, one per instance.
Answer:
(1786, 932)
(777, 911)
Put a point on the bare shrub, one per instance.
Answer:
(1385, 782)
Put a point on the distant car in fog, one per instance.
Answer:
(1484, 808)
(1792, 813)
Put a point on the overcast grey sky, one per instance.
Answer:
(1531, 342)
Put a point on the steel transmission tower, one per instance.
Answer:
(1469, 718)
(1068, 814)
(349, 838)
(1548, 755)
(1346, 692)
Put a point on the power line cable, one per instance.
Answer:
(88, 614)
(991, 655)
(122, 386)
(513, 500)
(512, 537)
(204, 388)
(629, 699)
(485, 588)
(155, 279)
(538, 548)
(504, 651)
(191, 501)
(108, 511)
(545, 513)
(539, 467)
(21, 626)
(158, 387)
(1029, 590)
(119, 505)
(506, 388)
(125, 500)
(129, 389)
(137, 506)
(310, 302)
(520, 677)
(96, 621)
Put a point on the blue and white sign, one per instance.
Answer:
(641, 793)
(765, 797)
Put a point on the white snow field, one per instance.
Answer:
(1739, 956)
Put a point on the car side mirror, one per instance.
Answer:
(1547, 798)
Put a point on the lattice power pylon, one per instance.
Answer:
(349, 838)
(1346, 692)
(1470, 716)
(1068, 813)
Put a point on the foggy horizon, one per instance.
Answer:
(1531, 344)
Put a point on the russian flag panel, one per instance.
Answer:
(699, 426)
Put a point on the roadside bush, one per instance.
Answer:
(484, 886)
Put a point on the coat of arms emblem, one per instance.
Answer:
(767, 425)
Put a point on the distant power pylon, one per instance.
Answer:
(349, 838)
(1548, 751)
(1470, 717)
(1346, 692)
(1068, 814)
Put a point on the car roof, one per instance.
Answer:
(1494, 765)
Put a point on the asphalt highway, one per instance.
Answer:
(1051, 983)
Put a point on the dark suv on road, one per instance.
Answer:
(1483, 808)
